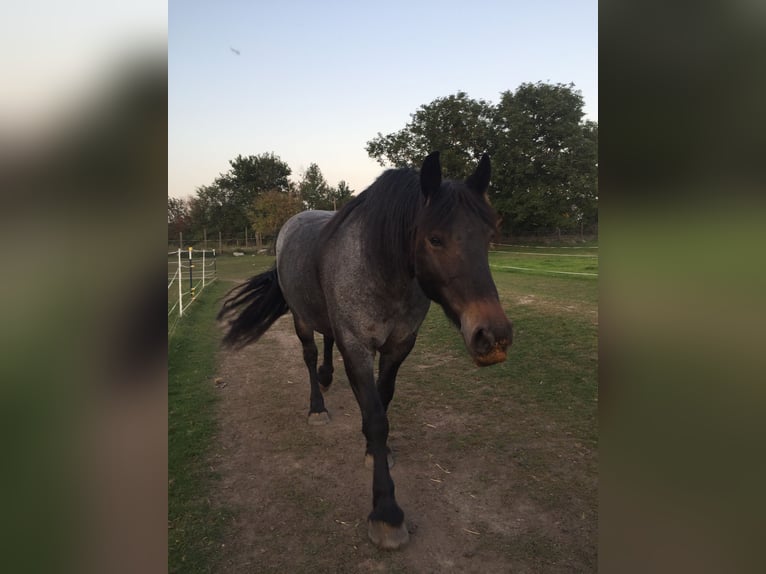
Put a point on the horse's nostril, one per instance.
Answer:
(483, 341)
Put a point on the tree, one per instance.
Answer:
(313, 189)
(248, 178)
(178, 216)
(271, 210)
(456, 125)
(256, 174)
(212, 209)
(583, 181)
(223, 206)
(544, 157)
(340, 195)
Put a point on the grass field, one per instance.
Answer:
(193, 524)
(572, 261)
(537, 411)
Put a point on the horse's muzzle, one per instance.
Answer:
(487, 333)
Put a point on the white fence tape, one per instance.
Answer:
(542, 270)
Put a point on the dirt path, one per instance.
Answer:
(301, 493)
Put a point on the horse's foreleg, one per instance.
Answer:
(326, 369)
(385, 523)
(317, 411)
(391, 358)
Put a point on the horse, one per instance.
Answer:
(364, 278)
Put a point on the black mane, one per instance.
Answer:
(387, 210)
(391, 209)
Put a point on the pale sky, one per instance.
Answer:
(315, 80)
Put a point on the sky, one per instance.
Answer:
(314, 81)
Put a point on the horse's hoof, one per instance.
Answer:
(319, 418)
(369, 461)
(387, 537)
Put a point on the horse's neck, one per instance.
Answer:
(369, 263)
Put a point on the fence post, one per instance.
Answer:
(203, 268)
(180, 288)
(191, 267)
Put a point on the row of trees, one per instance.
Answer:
(256, 193)
(544, 156)
(544, 167)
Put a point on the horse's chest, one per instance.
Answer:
(395, 322)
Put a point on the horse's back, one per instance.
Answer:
(297, 259)
(302, 229)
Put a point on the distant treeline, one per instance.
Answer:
(544, 168)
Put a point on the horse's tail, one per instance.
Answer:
(259, 303)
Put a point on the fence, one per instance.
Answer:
(221, 243)
(193, 269)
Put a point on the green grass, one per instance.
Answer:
(537, 411)
(238, 269)
(518, 412)
(570, 262)
(194, 525)
(552, 363)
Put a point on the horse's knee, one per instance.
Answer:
(375, 429)
(310, 354)
(325, 375)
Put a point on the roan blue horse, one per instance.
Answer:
(364, 278)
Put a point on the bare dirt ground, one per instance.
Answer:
(301, 493)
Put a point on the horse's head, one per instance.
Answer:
(452, 239)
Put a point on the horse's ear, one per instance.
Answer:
(479, 180)
(431, 175)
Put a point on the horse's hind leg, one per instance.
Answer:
(317, 411)
(326, 369)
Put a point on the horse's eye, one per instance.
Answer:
(435, 241)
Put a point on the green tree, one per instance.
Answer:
(178, 216)
(271, 210)
(213, 210)
(458, 126)
(313, 189)
(586, 192)
(256, 174)
(247, 178)
(223, 205)
(340, 195)
(544, 157)
(545, 169)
